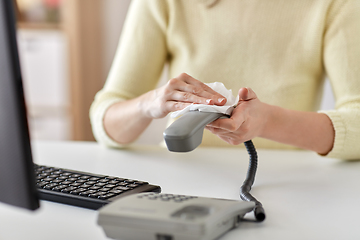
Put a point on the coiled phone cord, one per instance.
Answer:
(245, 195)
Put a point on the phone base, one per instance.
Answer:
(171, 217)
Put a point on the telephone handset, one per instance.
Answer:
(185, 134)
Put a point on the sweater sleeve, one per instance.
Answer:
(342, 64)
(138, 62)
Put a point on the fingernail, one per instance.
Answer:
(208, 101)
(221, 100)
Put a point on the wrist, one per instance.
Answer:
(149, 106)
(143, 105)
(268, 119)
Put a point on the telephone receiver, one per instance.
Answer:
(185, 134)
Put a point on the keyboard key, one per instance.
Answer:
(122, 184)
(72, 179)
(41, 184)
(94, 178)
(39, 167)
(110, 177)
(66, 174)
(66, 182)
(90, 182)
(87, 192)
(75, 184)
(103, 180)
(122, 188)
(80, 181)
(100, 184)
(44, 174)
(94, 195)
(75, 175)
(116, 191)
(109, 195)
(84, 177)
(48, 179)
(77, 191)
(113, 182)
(50, 186)
(68, 189)
(59, 187)
(56, 181)
(39, 177)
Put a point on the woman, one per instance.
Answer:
(274, 53)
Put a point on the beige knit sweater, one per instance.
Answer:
(282, 49)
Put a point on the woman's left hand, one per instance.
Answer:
(247, 121)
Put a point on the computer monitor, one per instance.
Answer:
(17, 178)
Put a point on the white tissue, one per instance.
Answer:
(226, 109)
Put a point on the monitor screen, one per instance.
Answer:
(17, 180)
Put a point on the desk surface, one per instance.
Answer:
(304, 196)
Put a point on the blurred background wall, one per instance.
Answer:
(66, 50)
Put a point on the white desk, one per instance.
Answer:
(304, 196)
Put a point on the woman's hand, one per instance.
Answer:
(178, 93)
(247, 121)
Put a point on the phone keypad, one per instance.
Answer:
(166, 197)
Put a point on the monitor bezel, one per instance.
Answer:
(17, 177)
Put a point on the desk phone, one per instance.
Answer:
(178, 217)
(154, 216)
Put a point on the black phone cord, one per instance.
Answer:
(245, 195)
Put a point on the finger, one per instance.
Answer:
(216, 98)
(190, 98)
(217, 131)
(179, 90)
(246, 94)
(193, 81)
(229, 124)
(172, 106)
(229, 140)
(198, 88)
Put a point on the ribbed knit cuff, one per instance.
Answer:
(340, 133)
(97, 122)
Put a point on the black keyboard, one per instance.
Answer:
(83, 189)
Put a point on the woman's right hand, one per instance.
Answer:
(178, 93)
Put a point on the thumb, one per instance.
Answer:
(246, 94)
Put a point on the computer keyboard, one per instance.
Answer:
(84, 189)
